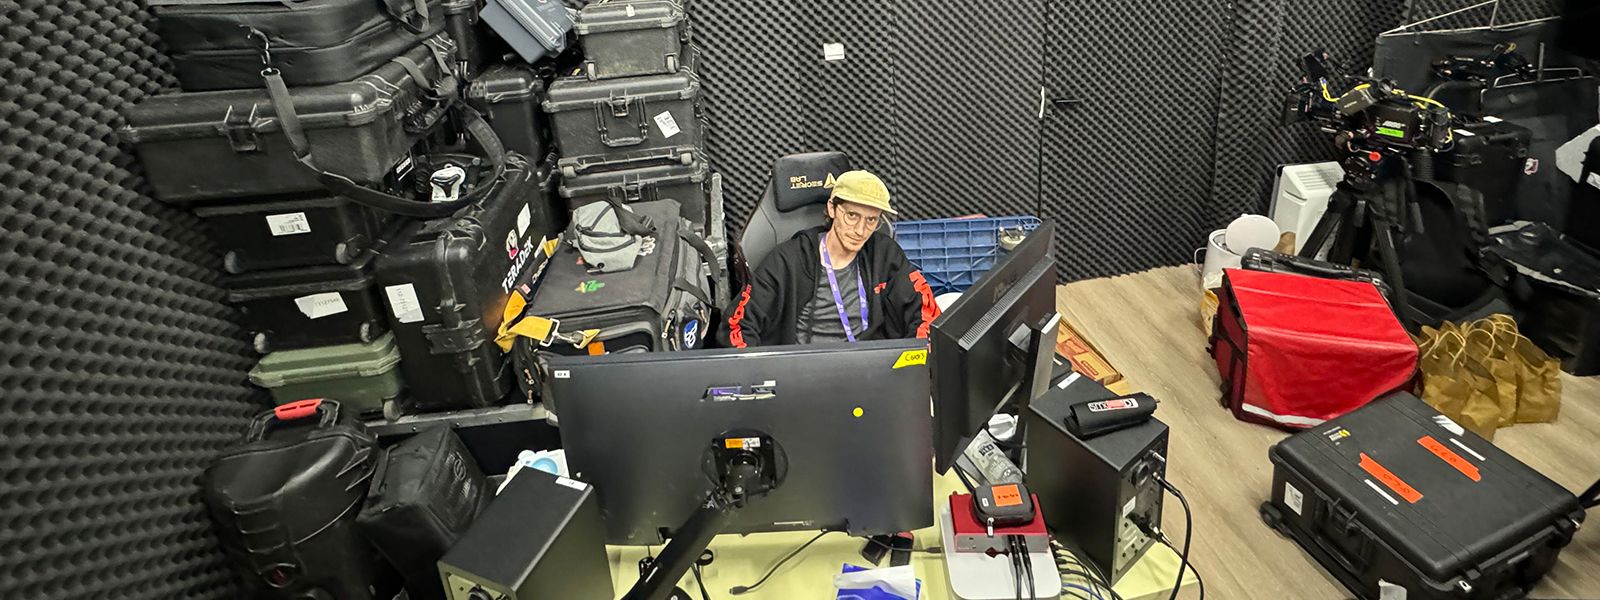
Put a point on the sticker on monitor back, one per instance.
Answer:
(1110, 405)
(911, 358)
(749, 443)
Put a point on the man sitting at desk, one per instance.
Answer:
(847, 280)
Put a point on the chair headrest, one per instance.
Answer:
(800, 180)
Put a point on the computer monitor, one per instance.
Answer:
(994, 345)
(850, 423)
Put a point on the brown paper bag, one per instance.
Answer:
(1487, 358)
(1538, 375)
(1447, 385)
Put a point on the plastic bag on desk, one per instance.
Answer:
(894, 583)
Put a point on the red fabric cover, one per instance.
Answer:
(1313, 349)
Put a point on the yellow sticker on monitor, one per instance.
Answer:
(912, 358)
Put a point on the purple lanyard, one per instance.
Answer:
(838, 301)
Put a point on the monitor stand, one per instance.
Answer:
(742, 465)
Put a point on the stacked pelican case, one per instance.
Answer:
(375, 172)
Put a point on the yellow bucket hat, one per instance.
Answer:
(861, 187)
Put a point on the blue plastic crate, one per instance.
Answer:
(955, 253)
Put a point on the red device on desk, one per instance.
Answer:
(972, 534)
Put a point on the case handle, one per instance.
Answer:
(621, 109)
(327, 412)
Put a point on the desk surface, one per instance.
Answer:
(742, 560)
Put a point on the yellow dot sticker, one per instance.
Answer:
(858, 412)
(912, 358)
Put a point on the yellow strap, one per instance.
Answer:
(513, 324)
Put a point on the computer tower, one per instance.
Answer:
(1094, 492)
(542, 537)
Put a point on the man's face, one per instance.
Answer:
(853, 223)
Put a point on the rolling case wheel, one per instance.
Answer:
(1272, 517)
(260, 343)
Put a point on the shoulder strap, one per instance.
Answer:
(710, 257)
(289, 121)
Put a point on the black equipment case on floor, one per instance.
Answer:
(509, 95)
(309, 307)
(229, 145)
(629, 39)
(1395, 495)
(687, 184)
(614, 122)
(324, 230)
(426, 492)
(446, 282)
(217, 44)
(1558, 292)
(284, 505)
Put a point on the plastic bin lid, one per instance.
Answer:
(606, 17)
(307, 365)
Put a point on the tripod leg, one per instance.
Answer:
(1337, 217)
(1391, 267)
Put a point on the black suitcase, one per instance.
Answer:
(1584, 209)
(1397, 501)
(321, 230)
(425, 493)
(217, 44)
(364, 130)
(1557, 292)
(1262, 259)
(614, 122)
(663, 303)
(445, 283)
(629, 39)
(1488, 156)
(689, 184)
(308, 307)
(284, 505)
(509, 96)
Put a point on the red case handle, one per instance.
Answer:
(297, 410)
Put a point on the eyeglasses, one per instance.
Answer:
(855, 219)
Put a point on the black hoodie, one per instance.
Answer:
(767, 312)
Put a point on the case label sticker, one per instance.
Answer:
(403, 302)
(911, 358)
(1007, 495)
(1450, 457)
(1389, 591)
(1468, 450)
(572, 483)
(1110, 405)
(317, 306)
(667, 124)
(562, 374)
(524, 218)
(1127, 509)
(288, 224)
(1448, 425)
(1294, 499)
(1394, 482)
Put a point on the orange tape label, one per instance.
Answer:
(1007, 495)
(1389, 479)
(1451, 458)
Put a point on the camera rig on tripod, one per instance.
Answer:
(1383, 131)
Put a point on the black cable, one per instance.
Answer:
(1192, 567)
(701, 584)
(1188, 534)
(1016, 567)
(1027, 565)
(928, 550)
(963, 477)
(741, 589)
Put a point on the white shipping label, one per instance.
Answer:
(572, 483)
(524, 219)
(288, 224)
(833, 52)
(1389, 591)
(403, 302)
(667, 124)
(317, 306)
(1294, 499)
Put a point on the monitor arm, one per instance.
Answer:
(741, 465)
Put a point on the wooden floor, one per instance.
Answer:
(1148, 326)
